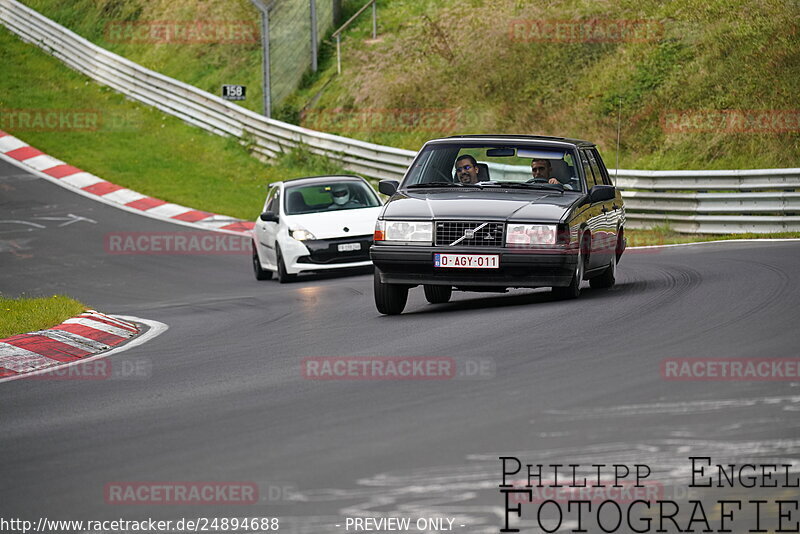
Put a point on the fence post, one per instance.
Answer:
(265, 65)
(338, 53)
(313, 8)
(374, 19)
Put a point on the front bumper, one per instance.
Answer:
(413, 265)
(324, 254)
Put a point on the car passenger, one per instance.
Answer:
(467, 170)
(542, 170)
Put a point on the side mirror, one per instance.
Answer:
(268, 216)
(602, 193)
(388, 187)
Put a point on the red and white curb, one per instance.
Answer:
(82, 338)
(20, 153)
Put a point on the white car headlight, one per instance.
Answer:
(531, 234)
(301, 234)
(404, 231)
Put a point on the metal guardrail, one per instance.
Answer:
(689, 201)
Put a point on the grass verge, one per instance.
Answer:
(666, 236)
(131, 144)
(21, 315)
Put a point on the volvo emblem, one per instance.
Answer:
(469, 233)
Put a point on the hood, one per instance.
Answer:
(331, 224)
(503, 205)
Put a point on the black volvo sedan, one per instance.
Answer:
(488, 213)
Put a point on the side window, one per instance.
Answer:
(598, 167)
(270, 198)
(587, 170)
(276, 202)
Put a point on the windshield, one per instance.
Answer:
(329, 196)
(494, 165)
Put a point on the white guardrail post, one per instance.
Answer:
(762, 201)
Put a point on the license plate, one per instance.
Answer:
(467, 261)
(347, 247)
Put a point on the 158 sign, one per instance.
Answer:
(234, 92)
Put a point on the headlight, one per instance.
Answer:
(404, 231)
(301, 234)
(531, 234)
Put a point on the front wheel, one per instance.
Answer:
(261, 274)
(283, 276)
(438, 294)
(390, 299)
(607, 279)
(573, 290)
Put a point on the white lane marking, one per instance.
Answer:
(22, 222)
(124, 196)
(673, 407)
(81, 180)
(97, 325)
(169, 210)
(22, 360)
(43, 162)
(69, 219)
(9, 143)
(156, 328)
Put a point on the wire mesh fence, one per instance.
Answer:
(290, 41)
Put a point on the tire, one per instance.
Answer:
(438, 294)
(573, 290)
(607, 279)
(260, 273)
(620, 242)
(390, 299)
(283, 276)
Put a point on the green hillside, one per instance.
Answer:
(466, 66)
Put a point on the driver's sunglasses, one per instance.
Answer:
(341, 193)
(464, 168)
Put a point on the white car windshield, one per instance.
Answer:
(329, 196)
(507, 165)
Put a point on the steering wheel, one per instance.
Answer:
(537, 181)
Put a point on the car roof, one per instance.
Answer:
(558, 141)
(310, 180)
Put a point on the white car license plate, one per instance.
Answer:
(467, 261)
(347, 247)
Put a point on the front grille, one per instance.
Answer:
(490, 234)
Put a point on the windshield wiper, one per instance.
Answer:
(526, 185)
(435, 184)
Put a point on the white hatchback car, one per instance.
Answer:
(314, 224)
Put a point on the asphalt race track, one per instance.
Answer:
(225, 398)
